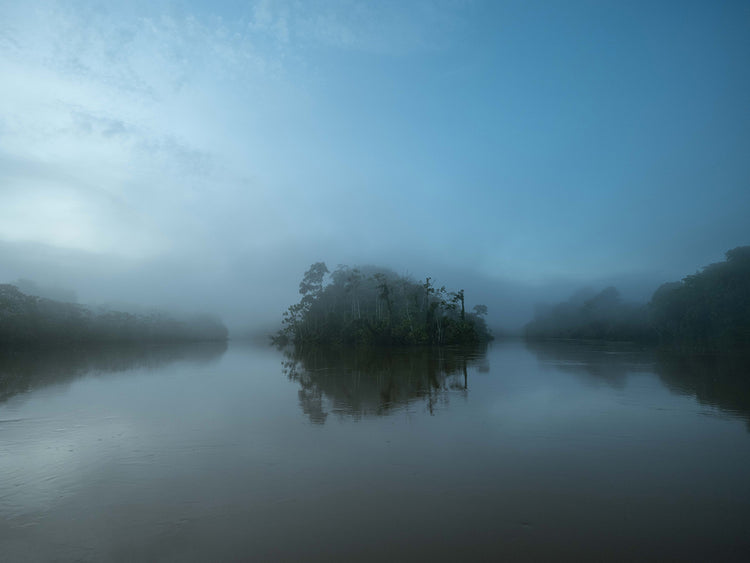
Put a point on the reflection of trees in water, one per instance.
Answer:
(596, 362)
(719, 380)
(26, 368)
(376, 381)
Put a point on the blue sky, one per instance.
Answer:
(223, 145)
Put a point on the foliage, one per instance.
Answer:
(707, 310)
(27, 318)
(373, 305)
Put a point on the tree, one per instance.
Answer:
(458, 297)
(311, 285)
(353, 281)
(709, 309)
(372, 305)
(480, 310)
(27, 318)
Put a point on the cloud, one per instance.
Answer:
(154, 107)
(391, 28)
(90, 158)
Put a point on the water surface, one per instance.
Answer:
(517, 452)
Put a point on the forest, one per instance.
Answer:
(33, 319)
(707, 310)
(373, 305)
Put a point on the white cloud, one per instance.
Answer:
(115, 108)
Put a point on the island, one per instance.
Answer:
(374, 305)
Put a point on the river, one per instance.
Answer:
(517, 452)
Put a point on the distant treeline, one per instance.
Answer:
(709, 310)
(373, 305)
(31, 319)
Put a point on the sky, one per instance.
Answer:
(203, 154)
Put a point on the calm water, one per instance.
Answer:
(207, 453)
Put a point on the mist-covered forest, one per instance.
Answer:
(33, 319)
(374, 305)
(707, 310)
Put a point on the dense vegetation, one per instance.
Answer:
(32, 319)
(372, 305)
(711, 307)
(709, 310)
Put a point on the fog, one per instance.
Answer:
(201, 156)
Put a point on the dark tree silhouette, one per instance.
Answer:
(371, 305)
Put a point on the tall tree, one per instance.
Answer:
(311, 285)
